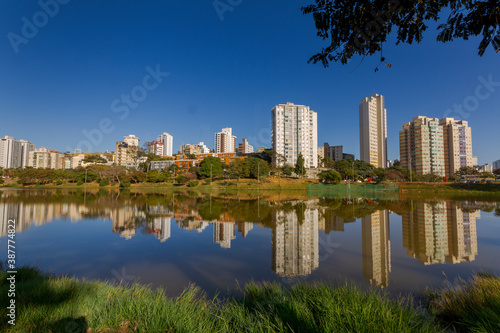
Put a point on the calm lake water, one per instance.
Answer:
(218, 241)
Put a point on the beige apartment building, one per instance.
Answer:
(373, 130)
(126, 151)
(421, 146)
(44, 158)
(457, 145)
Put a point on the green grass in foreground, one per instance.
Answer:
(469, 306)
(61, 304)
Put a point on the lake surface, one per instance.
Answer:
(220, 241)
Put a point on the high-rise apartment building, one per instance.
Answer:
(295, 243)
(10, 153)
(131, 140)
(457, 145)
(321, 153)
(376, 247)
(225, 141)
(425, 232)
(224, 233)
(43, 158)
(439, 232)
(336, 153)
(462, 234)
(126, 151)
(168, 143)
(156, 148)
(26, 148)
(244, 147)
(421, 146)
(373, 130)
(295, 132)
(496, 165)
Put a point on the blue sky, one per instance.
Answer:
(221, 73)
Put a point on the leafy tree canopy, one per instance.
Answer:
(204, 171)
(300, 169)
(330, 176)
(360, 27)
(258, 168)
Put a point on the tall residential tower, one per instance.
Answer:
(457, 145)
(225, 141)
(294, 132)
(373, 130)
(168, 143)
(421, 146)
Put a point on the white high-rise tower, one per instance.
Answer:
(294, 132)
(168, 143)
(373, 131)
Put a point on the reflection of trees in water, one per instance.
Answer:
(98, 202)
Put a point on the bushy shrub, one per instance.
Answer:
(104, 182)
(181, 179)
(79, 183)
(193, 183)
(124, 184)
(59, 182)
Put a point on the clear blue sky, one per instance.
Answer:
(222, 73)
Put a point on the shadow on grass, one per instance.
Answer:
(69, 325)
(35, 291)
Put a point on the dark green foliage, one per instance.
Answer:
(124, 184)
(193, 183)
(104, 182)
(330, 177)
(212, 163)
(258, 168)
(463, 171)
(181, 179)
(361, 27)
(287, 170)
(239, 169)
(300, 169)
(79, 183)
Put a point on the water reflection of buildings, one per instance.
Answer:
(224, 233)
(376, 246)
(295, 242)
(439, 232)
(161, 228)
(26, 214)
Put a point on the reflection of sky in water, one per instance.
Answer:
(311, 240)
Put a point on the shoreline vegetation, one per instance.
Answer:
(47, 303)
(407, 189)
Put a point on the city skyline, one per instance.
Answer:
(69, 79)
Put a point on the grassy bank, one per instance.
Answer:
(450, 190)
(61, 304)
